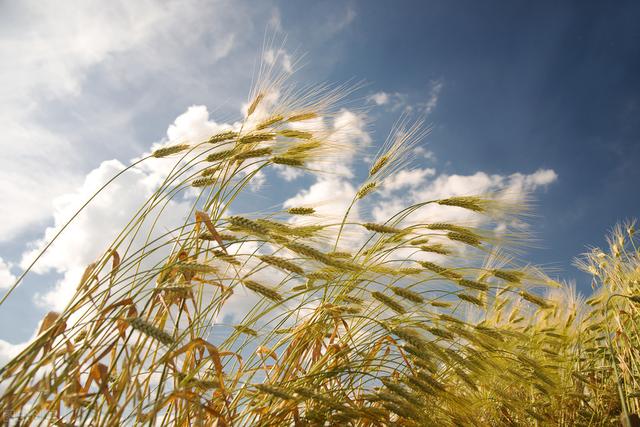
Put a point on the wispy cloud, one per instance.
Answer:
(428, 106)
(393, 102)
(272, 56)
(341, 21)
(397, 101)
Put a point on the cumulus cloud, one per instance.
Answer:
(91, 232)
(430, 186)
(329, 196)
(9, 351)
(194, 125)
(98, 225)
(406, 178)
(287, 173)
(332, 192)
(6, 277)
(540, 178)
(349, 130)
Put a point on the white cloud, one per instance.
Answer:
(397, 101)
(427, 154)
(380, 98)
(272, 56)
(340, 22)
(93, 230)
(515, 186)
(329, 196)
(349, 131)
(275, 21)
(540, 178)
(9, 351)
(194, 126)
(434, 96)
(391, 101)
(406, 178)
(223, 47)
(6, 277)
(287, 173)
(332, 189)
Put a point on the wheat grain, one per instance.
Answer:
(441, 333)
(301, 211)
(245, 224)
(379, 164)
(469, 239)
(210, 171)
(365, 190)
(203, 182)
(534, 299)
(254, 138)
(281, 263)
(151, 330)
(436, 248)
(246, 330)
(302, 116)
(297, 134)
(511, 276)
(473, 284)
(409, 271)
(287, 161)
(254, 104)
(471, 299)
(259, 152)
(274, 391)
(225, 257)
(419, 241)
(466, 202)
(167, 151)
(379, 228)
(220, 155)
(270, 122)
(262, 290)
(194, 267)
(223, 136)
(440, 304)
(440, 270)
(389, 302)
(407, 294)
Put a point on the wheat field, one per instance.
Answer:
(346, 322)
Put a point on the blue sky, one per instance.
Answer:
(543, 95)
